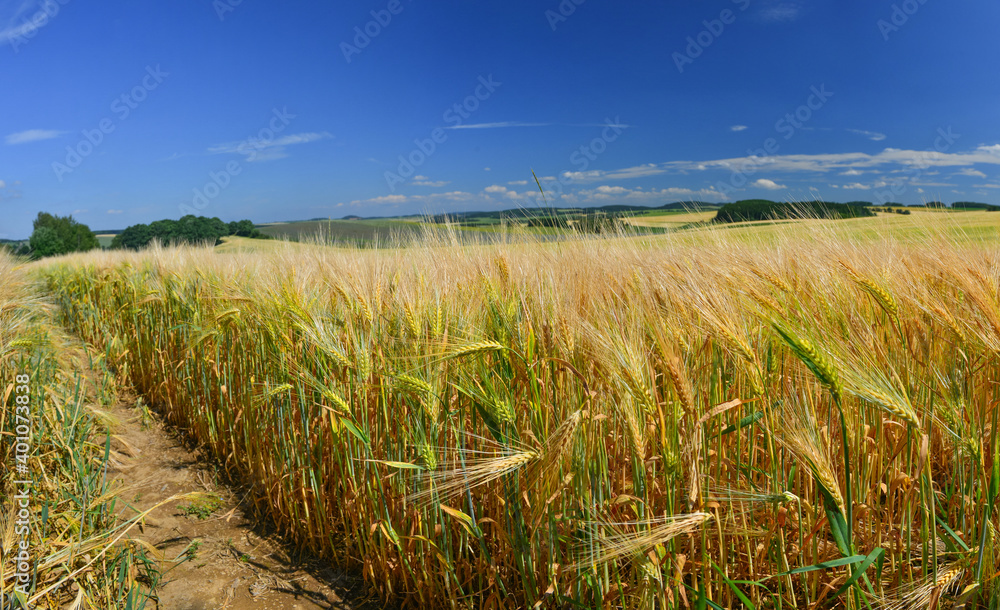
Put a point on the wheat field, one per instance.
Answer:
(807, 419)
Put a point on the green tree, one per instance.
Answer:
(67, 235)
(45, 242)
(135, 237)
(245, 228)
(189, 229)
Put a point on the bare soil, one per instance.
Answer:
(212, 555)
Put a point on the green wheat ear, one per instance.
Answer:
(813, 359)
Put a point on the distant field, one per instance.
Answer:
(920, 225)
(670, 219)
(105, 239)
(352, 231)
(978, 225)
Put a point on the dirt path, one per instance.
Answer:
(215, 557)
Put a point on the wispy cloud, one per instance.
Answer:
(738, 127)
(267, 150)
(968, 171)
(779, 12)
(639, 196)
(500, 125)
(115, 211)
(843, 163)
(640, 171)
(498, 195)
(932, 184)
(871, 135)
(32, 135)
(22, 22)
(398, 200)
(425, 181)
(506, 124)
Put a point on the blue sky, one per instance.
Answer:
(130, 111)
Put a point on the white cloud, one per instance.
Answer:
(518, 182)
(397, 200)
(487, 169)
(260, 150)
(987, 186)
(425, 181)
(968, 171)
(32, 135)
(613, 190)
(905, 160)
(500, 125)
(871, 135)
(115, 211)
(851, 172)
(777, 12)
(387, 199)
(496, 189)
(2, 184)
(738, 127)
(857, 186)
(639, 196)
(641, 171)
(75, 212)
(770, 185)
(23, 22)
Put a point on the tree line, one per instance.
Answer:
(763, 209)
(53, 235)
(189, 229)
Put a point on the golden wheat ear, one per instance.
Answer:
(609, 541)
